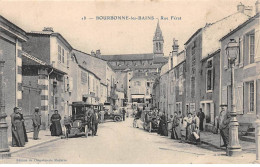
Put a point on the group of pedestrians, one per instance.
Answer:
(19, 135)
(185, 129)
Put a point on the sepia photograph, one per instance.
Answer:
(130, 82)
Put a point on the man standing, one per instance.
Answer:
(201, 116)
(224, 119)
(36, 123)
(95, 120)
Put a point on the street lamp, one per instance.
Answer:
(234, 148)
(4, 148)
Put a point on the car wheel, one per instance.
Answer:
(86, 131)
(117, 118)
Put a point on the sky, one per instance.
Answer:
(119, 36)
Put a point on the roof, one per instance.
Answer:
(213, 32)
(159, 60)
(123, 67)
(241, 26)
(145, 76)
(197, 32)
(81, 58)
(210, 25)
(8, 26)
(124, 57)
(50, 33)
(89, 71)
(28, 59)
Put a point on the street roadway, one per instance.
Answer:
(120, 143)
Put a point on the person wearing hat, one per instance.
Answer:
(24, 129)
(223, 121)
(36, 123)
(95, 121)
(18, 139)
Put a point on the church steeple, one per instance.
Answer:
(158, 41)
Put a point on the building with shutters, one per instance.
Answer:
(11, 39)
(51, 47)
(246, 71)
(202, 52)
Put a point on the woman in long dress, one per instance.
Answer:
(24, 129)
(55, 124)
(18, 139)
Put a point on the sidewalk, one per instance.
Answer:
(44, 135)
(214, 141)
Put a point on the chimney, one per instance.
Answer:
(93, 53)
(50, 29)
(257, 7)
(98, 53)
(249, 10)
(240, 8)
(175, 45)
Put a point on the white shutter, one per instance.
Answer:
(212, 113)
(70, 84)
(224, 95)
(239, 98)
(241, 51)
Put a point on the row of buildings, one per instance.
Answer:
(200, 75)
(43, 70)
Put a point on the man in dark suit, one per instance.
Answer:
(36, 123)
(201, 116)
(95, 121)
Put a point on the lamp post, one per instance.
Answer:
(4, 148)
(234, 147)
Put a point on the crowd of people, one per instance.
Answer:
(186, 128)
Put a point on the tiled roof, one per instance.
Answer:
(132, 67)
(122, 57)
(31, 60)
(241, 26)
(145, 76)
(159, 60)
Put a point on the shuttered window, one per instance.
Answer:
(239, 98)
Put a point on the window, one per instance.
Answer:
(157, 46)
(68, 58)
(62, 58)
(84, 77)
(209, 75)
(148, 84)
(59, 53)
(251, 97)
(193, 48)
(251, 48)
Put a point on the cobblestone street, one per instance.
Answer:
(121, 143)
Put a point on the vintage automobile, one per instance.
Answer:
(115, 115)
(79, 123)
(151, 123)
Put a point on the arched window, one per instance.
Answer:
(160, 46)
(156, 46)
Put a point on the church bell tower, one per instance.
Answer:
(158, 41)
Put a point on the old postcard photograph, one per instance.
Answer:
(130, 82)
